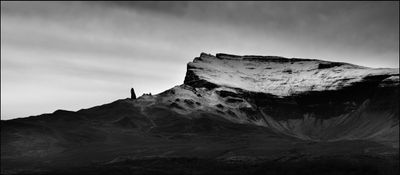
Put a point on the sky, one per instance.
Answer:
(74, 55)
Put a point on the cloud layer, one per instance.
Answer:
(72, 55)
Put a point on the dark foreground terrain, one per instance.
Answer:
(360, 165)
(178, 145)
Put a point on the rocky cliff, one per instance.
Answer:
(306, 98)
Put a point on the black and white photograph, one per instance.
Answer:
(200, 87)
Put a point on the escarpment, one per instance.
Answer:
(306, 98)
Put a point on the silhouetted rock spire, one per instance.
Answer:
(133, 95)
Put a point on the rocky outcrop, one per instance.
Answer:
(306, 98)
(133, 95)
(277, 75)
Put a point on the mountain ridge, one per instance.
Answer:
(210, 71)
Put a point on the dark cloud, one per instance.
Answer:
(177, 8)
(370, 25)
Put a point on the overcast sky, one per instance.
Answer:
(73, 55)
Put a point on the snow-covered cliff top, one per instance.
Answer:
(277, 75)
